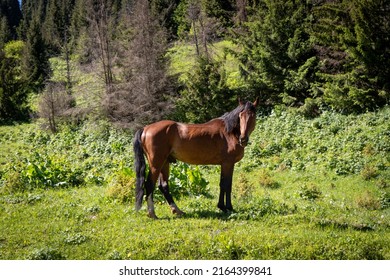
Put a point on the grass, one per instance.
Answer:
(320, 193)
(82, 223)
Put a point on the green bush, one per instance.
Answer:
(187, 180)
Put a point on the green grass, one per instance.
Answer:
(81, 223)
(306, 189)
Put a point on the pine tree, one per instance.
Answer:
(10, 16)
(206, 94)
(278, 60)
(352, 42)
(35, 57)
(13, 88)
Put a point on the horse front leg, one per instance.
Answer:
(225, 186)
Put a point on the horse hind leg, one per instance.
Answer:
(164, 188)
(149, 187)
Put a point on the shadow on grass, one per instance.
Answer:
(208, 214)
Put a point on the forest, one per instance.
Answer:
(133, 62)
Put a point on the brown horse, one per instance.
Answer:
(220, 141)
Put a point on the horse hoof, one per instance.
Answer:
(229, 209)
(152, 216)
(178, 212)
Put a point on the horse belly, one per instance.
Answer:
(198, 152)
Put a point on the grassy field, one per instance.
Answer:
(306, 189)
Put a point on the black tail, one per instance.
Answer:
(140, 165)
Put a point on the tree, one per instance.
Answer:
(10, 17)
(13, 88)
(54, 103)
(206, 94)
(142, 94)
(102, 20)
(277, 57)
(353, 43)
(35, 64)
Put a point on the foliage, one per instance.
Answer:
(121, 186)
(13, 87)
(310, 192)
(45, 254)
(206, 94)
(354, 144)
(187, 180)
(277, 57)
(352, 53)
(296, 53)
(10, 16)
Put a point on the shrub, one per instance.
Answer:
(310, 192)
(266, 180)
(369, 172)
(12, 182)
(45, 254)
(186, 180)
(310, 109)
(244, 187)
(368, 200)
(122, 186)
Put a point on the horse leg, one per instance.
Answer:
(228, 188)
(149, 187)
(164, 188)
(225, 185)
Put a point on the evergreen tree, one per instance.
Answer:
(5, 32)
(57, 24)
(277, 59)
(13, 88)
(10, 16)
(205, 95)
(35, 57)
(353, 42)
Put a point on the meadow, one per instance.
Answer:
(306, 189)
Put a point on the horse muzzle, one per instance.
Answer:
(243, 141)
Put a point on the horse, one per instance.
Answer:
(221, 141)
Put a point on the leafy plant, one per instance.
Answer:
(310, 192)
(187, 180)
(368, 200)
(45, 254)
(121, 186)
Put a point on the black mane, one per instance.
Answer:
(231, 119)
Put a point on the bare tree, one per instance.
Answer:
(204, 27)
(141, 97)
(193, 14)
(242, 15)
(54, 103)
(101, 20)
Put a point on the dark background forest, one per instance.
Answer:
(75, 59)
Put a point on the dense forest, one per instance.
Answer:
(73, 59)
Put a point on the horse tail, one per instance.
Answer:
(140, 166)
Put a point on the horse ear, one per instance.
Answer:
(256, 102)
(240, 102)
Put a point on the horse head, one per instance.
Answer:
(247, 121)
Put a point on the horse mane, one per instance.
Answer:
(231, 119)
